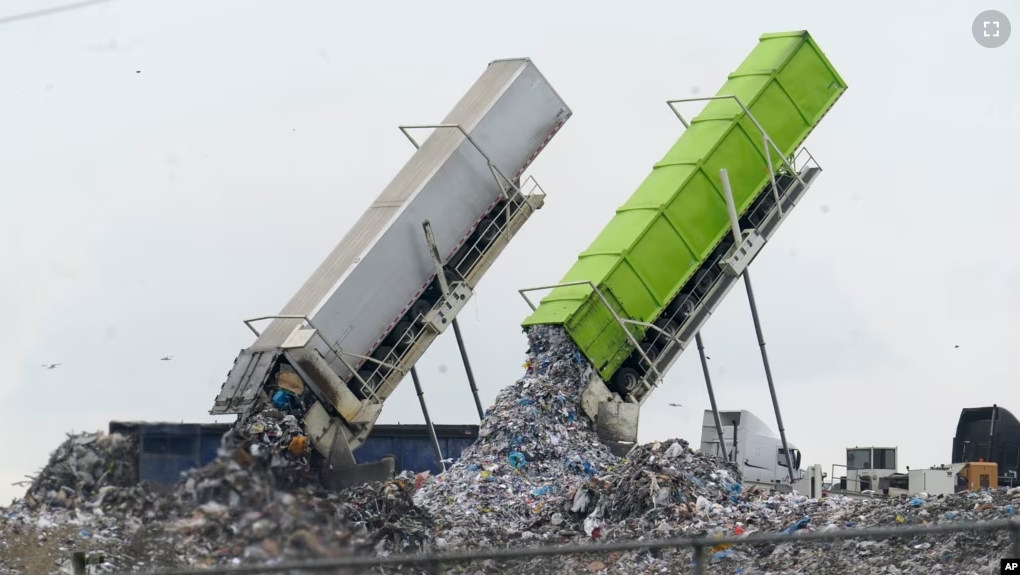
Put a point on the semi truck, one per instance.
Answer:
(752, 446)
(648, 283)
(400, 275)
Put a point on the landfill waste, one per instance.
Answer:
(81, 467)
(537, 476)
(234, 510)
(525, 480)
(271, 436)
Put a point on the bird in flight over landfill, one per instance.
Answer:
(167, 358)
(675, 405)
(50, 366)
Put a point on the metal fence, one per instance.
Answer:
(434, 563)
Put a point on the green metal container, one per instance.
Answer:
(670, 225)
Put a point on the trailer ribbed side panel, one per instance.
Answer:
(434, 152)
(670, 225)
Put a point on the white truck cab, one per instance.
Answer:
(752, 445)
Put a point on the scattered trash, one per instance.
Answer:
(536, 476)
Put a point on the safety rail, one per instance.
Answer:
(695, 308)
(396, 357)
(621, 321)
(337, 351)
(518, 198)
(692, 305)
(795, 172)
(854, 484)
(783, 194)
(516, 204)
(700, 545)
(767, 142)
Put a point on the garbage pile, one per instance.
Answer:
(81, 467)
(225, 512)
(536, 476)
(539, 476)
(234, 510)
(523, 481)
(271, 436)
(960, 553)
(664, 488)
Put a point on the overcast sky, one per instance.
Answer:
(169, 168)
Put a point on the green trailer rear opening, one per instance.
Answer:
(659, 252)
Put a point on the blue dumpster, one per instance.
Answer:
(166, 450)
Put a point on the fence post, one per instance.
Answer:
(699, 556)
(1014, 533)
(78, 563)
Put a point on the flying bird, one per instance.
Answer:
(674, 405)
(957, 346)
(167, 358)
(50, 366)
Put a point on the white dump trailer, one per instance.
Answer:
(410, 263)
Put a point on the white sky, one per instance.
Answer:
(169, 168)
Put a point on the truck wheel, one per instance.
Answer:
(382, 352)
(402, 334)
(625, 381)
(702, 283)
(487, 232)
(681, 307)
(650, 350)
(668, 326)
(421, 307)
(371, 378)
(755, 218)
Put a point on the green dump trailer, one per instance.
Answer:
(667, 258)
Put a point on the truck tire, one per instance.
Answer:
(667, 325)
(702, 283)
(421, 307)
(382, 352)
(370, 376)
(402, 334)
(487, 232)
(757, 216)
(650, 350)
(625, 381)
(681, 307)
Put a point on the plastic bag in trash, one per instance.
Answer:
(703, 506)
(517, 460)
